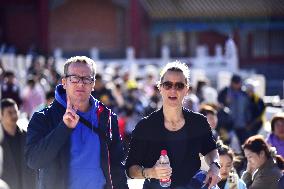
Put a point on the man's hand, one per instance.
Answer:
(70, 118)
(213, 176)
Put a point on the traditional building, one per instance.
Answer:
(75, 26)
(257, 26)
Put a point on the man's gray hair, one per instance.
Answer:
(80, 59)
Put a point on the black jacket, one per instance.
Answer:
(16, 173)
(48, 148)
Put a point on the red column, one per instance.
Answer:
(135, 26)
(43, 14)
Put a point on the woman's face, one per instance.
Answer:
(279, 128)
(226, 163)
(173, 89)
(254, 159)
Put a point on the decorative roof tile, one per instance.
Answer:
(188, 9)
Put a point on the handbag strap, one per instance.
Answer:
(89, 125)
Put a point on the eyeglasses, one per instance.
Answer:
(169, 85)
(76, 79)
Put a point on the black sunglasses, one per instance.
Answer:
(167, 85)
(77, 79)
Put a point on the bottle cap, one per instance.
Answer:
(164, 152)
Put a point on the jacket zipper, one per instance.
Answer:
(100, 110)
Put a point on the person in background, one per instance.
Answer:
(15, 170)
(2, 71)
(148, 84)
(225, 129)
(237, 101)
(276, 138)
(211, 114)
(49, 97)
(37, 67)
(263, 165)
(229, 176)
(256, 107)
(134, 99)
(33, 95)
(154, 101)
(102, 93)
(10, 88)
(75, 142)
(199, 90)
(118, 96)
(191, 101)
(167, 128)
(3, 184)
(51, 74)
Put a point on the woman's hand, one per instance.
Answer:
(213, 176)
(159, 171)
(250, 168)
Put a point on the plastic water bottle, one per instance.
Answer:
(164, 161)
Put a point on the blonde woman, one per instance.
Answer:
(183, 133)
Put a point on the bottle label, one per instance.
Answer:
(164, 163)
(165, 180)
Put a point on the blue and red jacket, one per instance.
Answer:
(48, 148)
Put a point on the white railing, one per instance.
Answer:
(217, 68)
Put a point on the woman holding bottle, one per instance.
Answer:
(184, 134)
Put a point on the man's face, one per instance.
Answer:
(10, 79)
(236, 85)
(10, 115)
(78, 92)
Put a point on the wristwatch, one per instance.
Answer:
(217, 164)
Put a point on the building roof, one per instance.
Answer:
(190, 9)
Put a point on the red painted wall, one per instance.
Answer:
(79, 25)
(19, 26)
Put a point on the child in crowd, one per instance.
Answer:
(229, 176)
